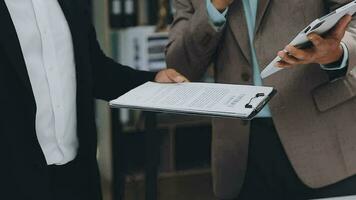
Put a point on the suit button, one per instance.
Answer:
(245, 76)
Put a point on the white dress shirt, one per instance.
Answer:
(46, 44)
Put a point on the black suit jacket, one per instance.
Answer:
(23, 172)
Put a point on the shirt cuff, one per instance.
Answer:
(344, 61)
(216, 18)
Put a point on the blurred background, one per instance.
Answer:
(144, 155)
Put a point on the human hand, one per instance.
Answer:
(325, 50)
(170, 76)
(221, 5)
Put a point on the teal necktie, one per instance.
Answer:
(250, 8)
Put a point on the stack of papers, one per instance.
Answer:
(206, 99)
(341, 198)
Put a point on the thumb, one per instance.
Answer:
(175, 76)
(316, 39)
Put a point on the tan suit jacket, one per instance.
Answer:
(317, 125)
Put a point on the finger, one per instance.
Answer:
(287, 58)
(181, 79)
(282, 64)
(174, 76)
(301, 55)
(340, 28)
(316, 39)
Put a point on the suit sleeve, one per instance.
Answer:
(111, 79)
(350, 36)
(343, 88)
(350, 41)
(193, 40)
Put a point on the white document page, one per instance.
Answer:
(199, 98)
(341, 198)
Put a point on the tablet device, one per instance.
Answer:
(319, 26)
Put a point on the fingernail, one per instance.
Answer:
(179, 79)
(280, 54)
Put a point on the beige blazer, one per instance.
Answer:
(317, 125)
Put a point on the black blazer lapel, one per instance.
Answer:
(75, 26)
(67, 8)
(11, 45)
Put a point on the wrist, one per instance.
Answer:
(219, 5)
(339, 54)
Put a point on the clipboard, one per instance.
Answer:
(252, 104)
(319, 26)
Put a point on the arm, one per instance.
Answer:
(325, 48)
(337, 47)
(193, 39)
(349, 40)
(338, 69)
(111, 79)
